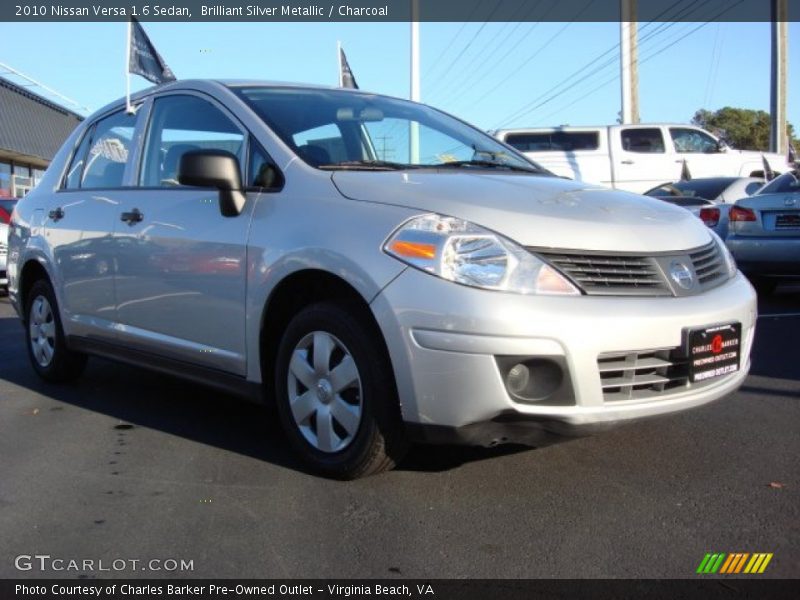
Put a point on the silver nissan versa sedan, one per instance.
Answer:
(383, 272)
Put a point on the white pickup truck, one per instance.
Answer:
(636, 157)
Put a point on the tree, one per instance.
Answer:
(741, 128)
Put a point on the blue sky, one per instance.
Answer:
(714, 65)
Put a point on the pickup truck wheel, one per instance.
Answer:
(50, 357)
(336, 395)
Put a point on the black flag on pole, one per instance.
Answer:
(685, 174)
(769, 174)
(143, 59)
(347, 79)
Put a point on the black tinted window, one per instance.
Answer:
(109, 149)
(180, 124)
(564, 141)
(642, 140)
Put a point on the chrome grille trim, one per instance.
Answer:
(604, 274)
(708, 264)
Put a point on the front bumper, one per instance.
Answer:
(766, 255)
(444, 340)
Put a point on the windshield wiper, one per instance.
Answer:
(377, 165)
(488, 164)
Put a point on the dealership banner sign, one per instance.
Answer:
(396, 10)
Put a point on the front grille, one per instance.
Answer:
(604, 274)
(642, 374)
(708, 265)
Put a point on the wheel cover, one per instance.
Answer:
(42, 330)
(325, 393)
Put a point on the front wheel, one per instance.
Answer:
(336, 394)
(47, 349)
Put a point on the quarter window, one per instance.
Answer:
(643, 140)
(559, 141)
(181, 124)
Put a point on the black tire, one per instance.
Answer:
(63, 364)
(378, 443)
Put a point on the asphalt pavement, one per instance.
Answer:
(134, 466)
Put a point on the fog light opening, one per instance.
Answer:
(531, 379)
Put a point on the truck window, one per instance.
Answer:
(560, 141)
(644, 140)
(691, 140)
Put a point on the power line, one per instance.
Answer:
(653, 55)
(536, 103)
(661, 27)
(33, 83)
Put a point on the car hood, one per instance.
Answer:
(543, 212)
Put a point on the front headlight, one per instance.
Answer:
(727, 257)
(471, 255)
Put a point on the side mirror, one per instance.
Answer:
(215, 169)
(722, 146)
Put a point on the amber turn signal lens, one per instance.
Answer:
(413, 249)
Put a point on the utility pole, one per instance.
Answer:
(777, 98)
(413, 132)
(629, 61)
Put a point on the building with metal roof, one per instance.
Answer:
(32, 130)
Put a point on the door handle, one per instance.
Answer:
(627, 162)
(135, 216)
(56, 214)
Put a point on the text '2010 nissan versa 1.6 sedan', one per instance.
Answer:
(383, 272)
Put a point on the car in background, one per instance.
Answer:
(3, 257)
(764, 234)
(708, 197)
(6, 208)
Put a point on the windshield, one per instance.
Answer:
(784, 184)
(336, 129)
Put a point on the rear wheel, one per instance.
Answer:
(336, 394)
(49, 355)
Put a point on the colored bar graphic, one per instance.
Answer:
(734, 563)
(728, 563)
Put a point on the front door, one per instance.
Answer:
(181, 265)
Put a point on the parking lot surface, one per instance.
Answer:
(127, 464)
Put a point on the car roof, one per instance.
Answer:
(211, 84)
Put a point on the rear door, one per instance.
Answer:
(79, 222)
(639, 158)
(181, 275)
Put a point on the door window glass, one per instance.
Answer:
(72, 180)
(692, 140)
(181, 124)
(109, 149)
(643, 140)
